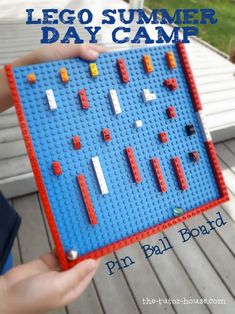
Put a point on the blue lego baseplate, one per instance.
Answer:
(129, 207)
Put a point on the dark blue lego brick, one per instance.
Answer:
(129, 207)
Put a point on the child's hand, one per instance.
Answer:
(38, 286)
(47, 53)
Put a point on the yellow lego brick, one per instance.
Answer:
(170, 59)
(31, 78)
(147, 63)
(64, 75)
(94, 70)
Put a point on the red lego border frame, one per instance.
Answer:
(65, 264)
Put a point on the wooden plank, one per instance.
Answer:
(220, 120)
(14, 166)
(218, 254)
(12, 149)
(169, 270)
(231, 145)
(202, 273)
(114, 291)
(142, 280)
(229, 206)
(227, 155)
(216, 87)
(18, 186)
(204, 80)
(227, 233)
(11, 134)
(87, 303)
(219, 107)
(9, 111)
(8, 121)
(229, 176)
(32, 235)
(216, 96)
(213, 72)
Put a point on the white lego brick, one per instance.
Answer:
(138, 124)
(203, 126)
(100, 175)
(147, 96)
(51, 99)
(115, 102)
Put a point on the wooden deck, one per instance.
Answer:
(200, 268)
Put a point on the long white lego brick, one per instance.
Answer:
(51, 99)
(147, 96)
(203, 125)
(100, 175)
(115, 102)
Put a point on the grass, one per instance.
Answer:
(219, 35)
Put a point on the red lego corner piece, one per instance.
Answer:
(189, 77)
(35, 167)
(133, 164)
(158, 174)
(76, 142)
(217, 170)
(87, 199)
(170, 111)
(194, 156)
(56, 168)
(83, 99)
(171, 83)
(123, 70)
(179, 173)
(106, 135)
(163, 137)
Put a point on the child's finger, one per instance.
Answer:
(67, 280)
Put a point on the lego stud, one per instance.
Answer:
(64, 75)
(190, 130)
(170, 60)
(178, 211)
(72, 255)
(31, 77)
(93, 70)
(170, 111)
(194, 156)
(163, 137)
(147, 63)
(138, 124)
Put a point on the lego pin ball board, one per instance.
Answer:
(119, 147)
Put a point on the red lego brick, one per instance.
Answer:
(216, 169)
(56, 168)
(76, 142)
(147, 63)
(171, 83)
(106, 135)
(158, 175)
(163, 137)
(123, 70)
(133, 164)
(83, 99)
(194, 156)
(170, 60)
(179, 173)
(189, 77)
(170, 111)
(87, 199)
